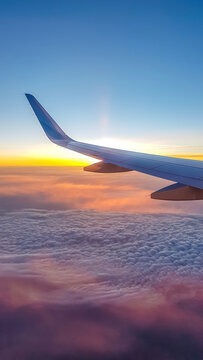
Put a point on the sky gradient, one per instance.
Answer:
(121, 73)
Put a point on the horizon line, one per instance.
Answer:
(34, 161)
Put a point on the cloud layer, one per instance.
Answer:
(164, 324)
(72, 188)
(77, 283)
(124, 251)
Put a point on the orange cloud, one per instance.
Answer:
(71, 188)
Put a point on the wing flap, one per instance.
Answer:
(102, 167)
(178, 192)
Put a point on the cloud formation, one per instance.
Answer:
(124, 251)
(72, 188)
(163, 324)
(76, 283)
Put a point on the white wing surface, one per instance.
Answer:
(188, 174)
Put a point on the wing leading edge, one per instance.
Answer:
(187, 173)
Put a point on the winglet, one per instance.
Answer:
(50, 127)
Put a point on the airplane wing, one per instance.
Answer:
(188, 174)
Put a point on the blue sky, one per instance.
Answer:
(120, 69)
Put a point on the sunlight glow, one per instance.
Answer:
(49, 154)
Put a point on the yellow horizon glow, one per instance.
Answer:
(28, 161)
(35, 161)
(48, 154)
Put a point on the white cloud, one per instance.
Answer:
(125, 252)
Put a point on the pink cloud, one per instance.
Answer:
(162, 323)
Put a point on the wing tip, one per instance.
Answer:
(50, 127)
(28, 95)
